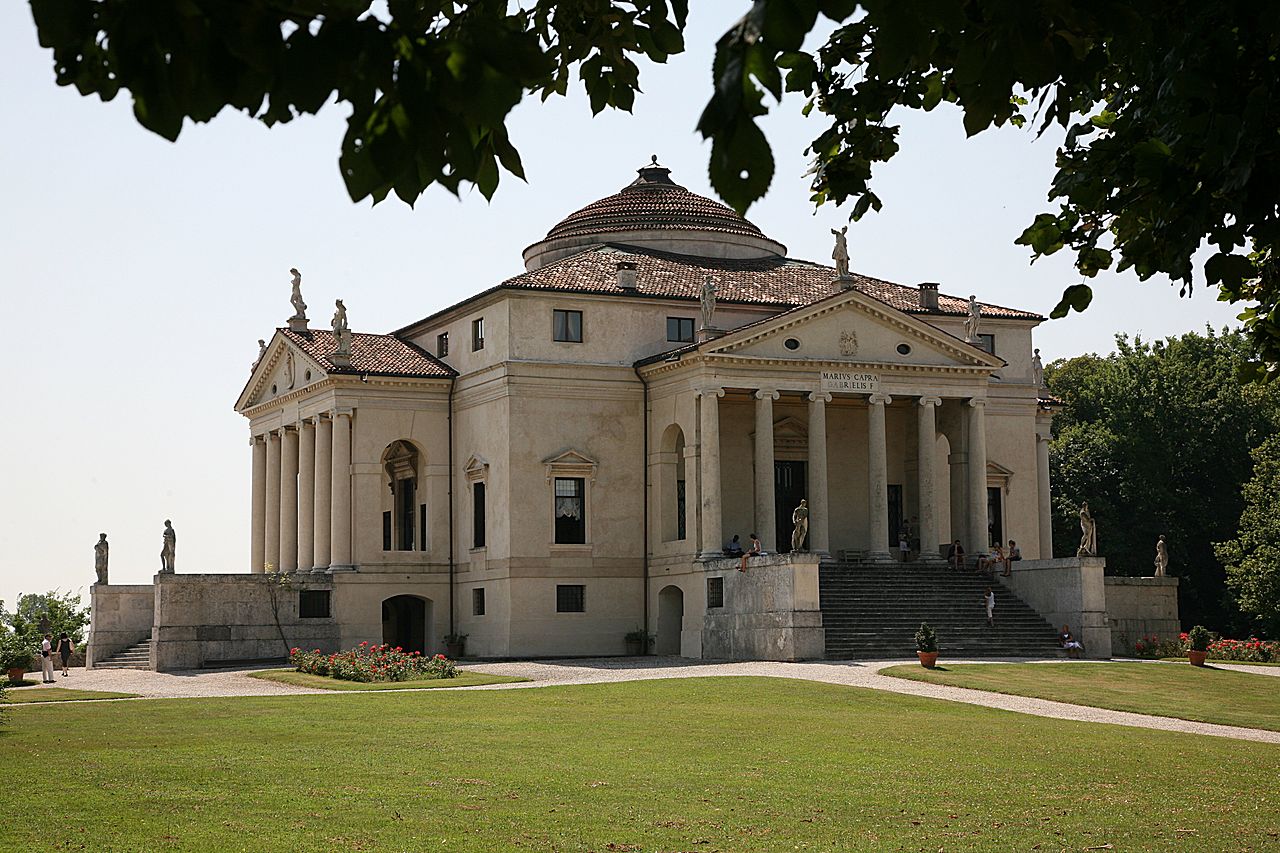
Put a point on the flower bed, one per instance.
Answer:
(373, 663)
(1251, 650)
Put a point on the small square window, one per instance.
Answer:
(680, 329)
(477, 334)
(313, 604)
(715, 592)
(988, 343)
(442, 344)
(571, 598)
(567, 326)
(477, 601)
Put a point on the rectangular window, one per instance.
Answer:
(477, 509)
(313, 604)
(988, 343)
(567, 326)
(422, 527)
(715, 592)
(680, 329)
(571, 520)
(404, 513)
(477, 334)
(477, 602)
(386, 530)
(681, 531)
(571, 598)
(442, 344)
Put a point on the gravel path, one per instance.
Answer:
(203, 683)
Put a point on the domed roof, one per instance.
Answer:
(653, 201)
(654, 211)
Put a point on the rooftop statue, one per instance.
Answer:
(972, 322)
(262, 350)
(1037, 369)
(840, 254)
(298, 322)
(708, 302)
(341, 332)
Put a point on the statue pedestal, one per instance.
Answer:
(843, 282)
(709, 333)
(298, 324)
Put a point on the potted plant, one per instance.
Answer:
(639, 642)
(15, 656)
(927, 645)
(1198, 640)
(455, 646)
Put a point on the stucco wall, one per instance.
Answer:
(1141, 607)
(1069, 591)
(122, 615)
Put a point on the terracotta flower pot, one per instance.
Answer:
(927, 659)
(1197, 658)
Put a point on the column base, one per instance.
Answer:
(333, 570)
(707, 556)
(319, 570)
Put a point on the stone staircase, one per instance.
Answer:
(137, 656)
(872, 611)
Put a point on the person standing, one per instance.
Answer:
(46, 659)
(989, 599)
(65, 648)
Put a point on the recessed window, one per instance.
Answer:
(477, 334)
(477, 515)
(313, 604)
(680, 330)
(273, 389)
(571, 523)
(988, 343)
(904, 349)
(442, 344)
(566, 326)
(477, 601)
(571, 598)
(308, 375)
(715, 592)
(791, 344)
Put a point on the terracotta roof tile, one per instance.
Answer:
(375, 355)
(773, 281)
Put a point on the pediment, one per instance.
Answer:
(281, 369)
(476, 467)
(851, 327)
(570, 463)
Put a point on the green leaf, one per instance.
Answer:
(1075, 298)
(1229, 270)
(787, 22)
(741, 164)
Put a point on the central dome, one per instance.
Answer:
(655, 212)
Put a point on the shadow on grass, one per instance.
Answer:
(26, 682)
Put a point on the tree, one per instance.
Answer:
(1156, 438)
(1252, 558)
(62, 609)
(1171, 107)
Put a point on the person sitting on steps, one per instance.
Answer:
(955, 555)
(734, 548)
(753, 551)
(1013, 555)
(1068, 641)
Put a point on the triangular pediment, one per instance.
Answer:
(281, 369)
(851, 327)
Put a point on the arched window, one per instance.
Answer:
(404, 519)
(671, 485)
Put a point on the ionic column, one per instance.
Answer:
(977, 477)
(306, 495)
(878, 478)
(340, 497)
(766, 512)
(1046, 506)
(271, 529)
(289, 501)
(926, 452)
(709, 472)
(819, 512)
(258, 506)
(324, 488)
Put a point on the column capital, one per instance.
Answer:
(1045, 438)
(819, 396)
(977, 401)
(257, 439)
(346, 411)
(304, 423)
(710, 391)
(930, 401)
(272, 434)
(766, 393)
(879, 399)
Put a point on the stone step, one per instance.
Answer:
(137, 656)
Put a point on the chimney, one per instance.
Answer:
(627, 275)
(929, 295)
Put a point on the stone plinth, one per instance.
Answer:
(1067, 591)
(770, 611)
(1141, 607)
(121, 615)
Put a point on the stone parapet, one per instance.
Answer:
(121, 615)
(1141, 607)
(1067, 591)
(770, 612)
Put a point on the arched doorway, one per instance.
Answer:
(405, 622)
(670, 620)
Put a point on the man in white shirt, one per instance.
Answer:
(46, 658)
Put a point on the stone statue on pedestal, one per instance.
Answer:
(1037, 369)
(800, 518)
(298, 322)
(169, 549)
(262, 350)
(708, 302)
(972, 322)
(100, 558)
(341, 332)
(1088, 533)
(840, 254)
(1162, 557)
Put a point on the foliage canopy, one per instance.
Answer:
(1252, 557)
(62, 609)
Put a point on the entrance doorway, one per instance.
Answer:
(404, 623)
(790, 486)
(895, 516)
(995, 515)
(670, 620)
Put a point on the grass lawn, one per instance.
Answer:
(303, 679)
(58, 694)
(1167, 690)
(680, 764)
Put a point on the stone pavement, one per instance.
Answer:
(204, 683)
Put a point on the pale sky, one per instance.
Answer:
(137, 276)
